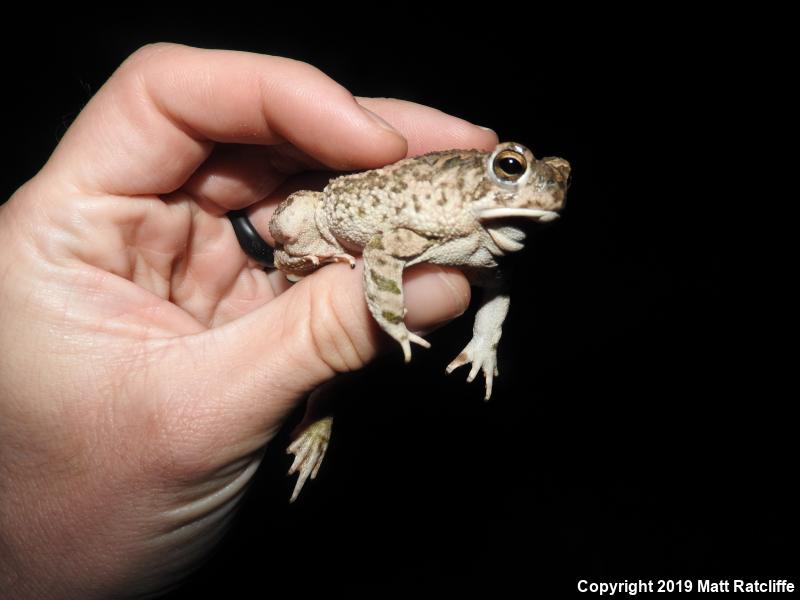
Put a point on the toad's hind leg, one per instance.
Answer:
(309, 450)
(384, 260)
(312, 435)
(303, 242)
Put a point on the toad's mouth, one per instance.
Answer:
(535, 214)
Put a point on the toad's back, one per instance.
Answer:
(429, 195)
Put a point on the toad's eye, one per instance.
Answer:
(509, 165)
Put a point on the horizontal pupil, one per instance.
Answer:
(511, 166)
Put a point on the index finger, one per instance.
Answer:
(158, 116)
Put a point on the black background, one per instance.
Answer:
(641, 427)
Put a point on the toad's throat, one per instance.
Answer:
(505, 242)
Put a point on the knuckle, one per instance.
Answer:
(334, 329)
(153, 49)
(144, 56)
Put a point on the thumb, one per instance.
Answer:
(265, 362)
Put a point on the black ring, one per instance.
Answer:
(252, 243)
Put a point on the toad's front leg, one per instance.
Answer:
(482, 348)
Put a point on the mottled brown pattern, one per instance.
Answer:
(393, 318)
(450, 207)
(384, 283)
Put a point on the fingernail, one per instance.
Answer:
(489, 129)
(379, 121)
(460, 299)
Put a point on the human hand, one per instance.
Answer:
(146, 361)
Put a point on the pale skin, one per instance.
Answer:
(146, 361)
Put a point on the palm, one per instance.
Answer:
(188, 271)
